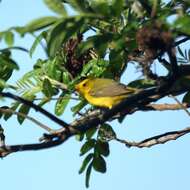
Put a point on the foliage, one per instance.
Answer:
(106, 52)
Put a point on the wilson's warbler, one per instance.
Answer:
(103, 92)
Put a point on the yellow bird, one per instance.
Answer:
(103, 92)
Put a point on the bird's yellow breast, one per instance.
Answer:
(107, 102)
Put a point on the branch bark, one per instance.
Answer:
(164, 107)
(155, 140)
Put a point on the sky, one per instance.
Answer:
(160, 167)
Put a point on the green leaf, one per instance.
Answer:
(62, 103)
(2, 84)
(35, 43)
(4, 108)
(14, 107)
(142, 83)
(85, 162)
(88, 145)
(102, 148)
(95, 68)
(48, 90)
(1, 111)
(24, 109)
(90, 132)
(7, 66)
(56, 6)
(62, 32)
(9, 38)
(117, 7)
(99, 164)
(79, 106)
(53, 70)
(186, 98)
(106, 132)
(37, 24)
(79, 137)
(100, 43)
(88, 173)
(101, 8)
(66, 77)
(80, 5)
(181, 24)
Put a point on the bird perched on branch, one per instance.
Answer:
(104, 92)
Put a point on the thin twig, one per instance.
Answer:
(180, 104)
(41, 43)
(45, 127)
(164, 107)
(181, 41)
(5, 150)
(155, 140)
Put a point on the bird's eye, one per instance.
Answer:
(84, 85)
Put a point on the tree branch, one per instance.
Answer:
(6, 149)
(180, 104)
(181, 41)
(7, 110)
(163, 107)
(155, 140)
(35, 107)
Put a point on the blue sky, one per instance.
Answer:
(160, 167)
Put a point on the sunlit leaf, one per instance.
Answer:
(181, 24)
(9, 38)
(62, 32)
(56, 6)
(62, 103)
(37, 24)
(48, 90)
(79, 106)
(35, 43)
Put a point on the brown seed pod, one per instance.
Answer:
(153, 39)
(73, 62)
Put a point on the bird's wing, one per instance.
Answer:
(110, 88)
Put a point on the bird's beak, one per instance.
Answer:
(76, 87)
